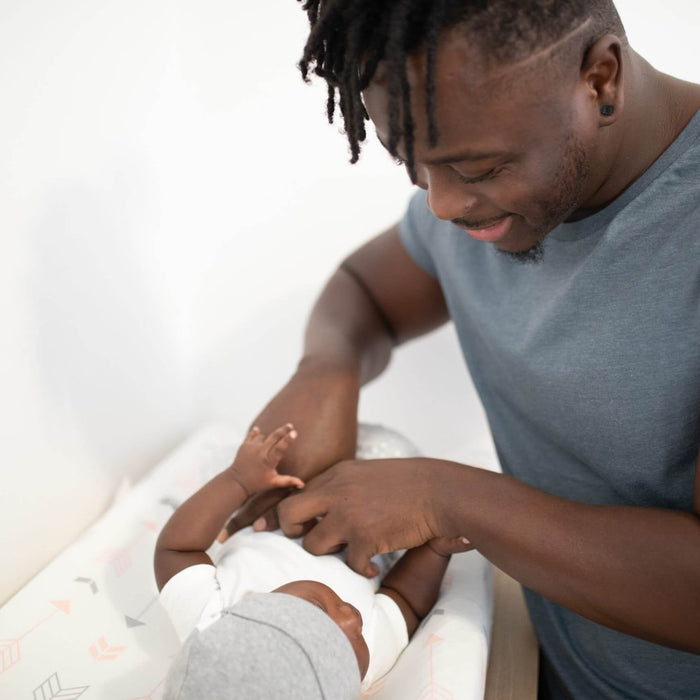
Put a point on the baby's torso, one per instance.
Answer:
(262, 561)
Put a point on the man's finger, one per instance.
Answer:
(250, 511)
(322, 538)
(359, 559)
(306, 527)
(267, 522)
(297, 510)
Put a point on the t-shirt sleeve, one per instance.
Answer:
(389, 638)
(192, 598)
(415, 230)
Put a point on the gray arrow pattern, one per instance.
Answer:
(167, 501)
(134, 621)
(90, 582)
(51, 688)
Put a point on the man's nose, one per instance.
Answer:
(447, 197)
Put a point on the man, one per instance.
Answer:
(558, 230)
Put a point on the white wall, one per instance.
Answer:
(170, 200)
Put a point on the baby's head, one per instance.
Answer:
(300, 641)
(345, 615)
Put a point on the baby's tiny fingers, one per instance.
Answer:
(289, 481)
(461, 544)
(278, 442)
(278, 434)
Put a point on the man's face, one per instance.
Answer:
(513, 158)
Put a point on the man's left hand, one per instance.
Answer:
(371, 506)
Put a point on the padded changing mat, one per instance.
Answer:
(90, 625)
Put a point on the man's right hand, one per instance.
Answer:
(321, 402)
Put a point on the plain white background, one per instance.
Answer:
(171, 199)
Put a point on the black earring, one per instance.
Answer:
(607, 110)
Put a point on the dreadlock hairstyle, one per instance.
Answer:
(349, 38)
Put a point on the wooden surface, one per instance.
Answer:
(513, 656)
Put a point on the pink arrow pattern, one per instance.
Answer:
(10, 650)
(374, 689)
(119, 558)
(150, 693)
(434, 691)
(101, 651)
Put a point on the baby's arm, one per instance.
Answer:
(413, 583)
(193, 527)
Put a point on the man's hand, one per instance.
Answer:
(371, 506)
(321, 402)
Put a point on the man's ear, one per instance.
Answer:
(601, 71)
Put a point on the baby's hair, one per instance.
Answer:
(349, 38)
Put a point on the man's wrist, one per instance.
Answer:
(450, 513)
(343, 364)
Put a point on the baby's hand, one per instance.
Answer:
(255, 466)
(444, 546)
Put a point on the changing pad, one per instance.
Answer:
(90, 624)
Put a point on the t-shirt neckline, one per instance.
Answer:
(576, 230)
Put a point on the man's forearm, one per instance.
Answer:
(346, 345)
(346, 330)
(636, 570)
(377, 298)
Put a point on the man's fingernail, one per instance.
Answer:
(465, 540)
(259, 524)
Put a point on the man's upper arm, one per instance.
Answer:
(409, 298)
(696, 498)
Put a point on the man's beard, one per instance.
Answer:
(532, 255)
(568, 186)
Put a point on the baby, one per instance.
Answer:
(326, 635)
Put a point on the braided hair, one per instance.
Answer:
(349, 38)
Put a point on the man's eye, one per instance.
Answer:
(481, 178)
(398, 161)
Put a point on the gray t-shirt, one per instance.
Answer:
(588, 366)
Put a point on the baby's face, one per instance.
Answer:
(346, 616)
